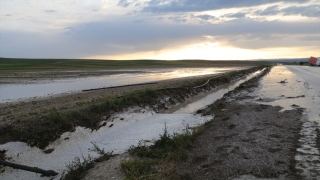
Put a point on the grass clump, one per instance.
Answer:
(44, 129)
(137, 169)
(159, 160)
(77, 169)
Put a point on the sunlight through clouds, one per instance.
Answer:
(161, 29)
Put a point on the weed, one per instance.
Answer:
(77, 169)
(137, 169)
(80, 103)
(32, 113)
(41, 131)
(103, 155)
(163, 155)
(63, 108)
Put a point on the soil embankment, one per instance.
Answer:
(246, 139)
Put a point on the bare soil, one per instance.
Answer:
(245, 138)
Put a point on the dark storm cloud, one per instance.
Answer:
(307, 11)
(161, 6)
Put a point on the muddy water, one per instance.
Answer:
(14, 92)
(300, 89)
(203, 100)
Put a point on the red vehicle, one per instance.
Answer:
(314, 61)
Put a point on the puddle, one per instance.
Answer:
(15, 92)
(301, 90)
(203, 100)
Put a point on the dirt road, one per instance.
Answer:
(272, 132)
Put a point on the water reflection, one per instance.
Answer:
(208, 98)
(14, 92)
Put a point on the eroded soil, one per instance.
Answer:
(245, 139)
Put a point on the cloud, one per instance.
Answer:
(236, 15)
(124, 3)
(307, 11)
(206, 17)
(50, 11)
(123, 36)
(8, 15)
(161, 6)
(311, 38)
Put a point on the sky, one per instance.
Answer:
(160, 29)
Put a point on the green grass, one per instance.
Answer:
(78, 168)
(158, 161)
(54, 64)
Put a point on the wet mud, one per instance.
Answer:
(245, 139)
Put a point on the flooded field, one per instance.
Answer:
(42, 87)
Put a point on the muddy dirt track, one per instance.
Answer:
(269, 132)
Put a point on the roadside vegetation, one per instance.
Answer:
(45, 128)
(159, 160)
(78, 168)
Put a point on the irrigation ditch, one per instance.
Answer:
(245, 140)
(46, 128)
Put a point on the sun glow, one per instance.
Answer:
(215, 51)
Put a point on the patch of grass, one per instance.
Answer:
(41, 131)
(77, 169)
(63, 108)
(80, 104)
(159, 160)
(32, 113)
(47, 64)
(214, 108)
(103, 156)
(137, 169)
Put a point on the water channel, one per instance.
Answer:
(20, 91)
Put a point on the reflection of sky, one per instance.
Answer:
(16, 91)
(126, 29)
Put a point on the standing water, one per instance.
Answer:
(15, 92)
(203, 100)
